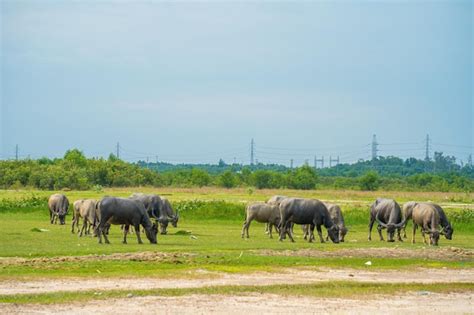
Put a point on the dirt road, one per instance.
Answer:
(410, 303)
(204, 278)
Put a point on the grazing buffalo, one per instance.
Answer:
(336, 217)
(58, 206)
(275, 200)
(306, 211)
(263, 213)
(159, 209)
(447, 229)
(128, 212)
(167, 215)
(426, 216)
(152, 203)
(388, 215)
(85, 209)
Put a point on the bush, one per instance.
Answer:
(369, 181)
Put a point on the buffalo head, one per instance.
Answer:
(333, 233)
(391, 227)
(151, 233)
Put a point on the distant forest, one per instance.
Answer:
(75, 171)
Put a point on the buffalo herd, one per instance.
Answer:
(153, 214)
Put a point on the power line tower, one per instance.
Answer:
(118, 150)
(469, 160)
(333, 160)
(427, 148)
(291, 163)
(374, 147)
(16, 152)
(316, 161)
(252, 151)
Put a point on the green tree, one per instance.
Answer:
(227, 180)
(369, 181)
(200, 178)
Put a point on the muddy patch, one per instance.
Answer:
(140, 256)
(443, 254)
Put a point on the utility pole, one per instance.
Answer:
(427, 148)
(333, 160)
(469, 160)
(316, 161)
(374, 147)
(118, 150)
(291, 163)
(16, 152)
(252, 151)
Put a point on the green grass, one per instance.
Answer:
(218, 247)
(334, 289)
(216, 225)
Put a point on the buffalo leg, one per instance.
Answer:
(399, 237)
(320, 233)
(423, 235)
(125, 232)
(379, 229)
(270, 228)
(371, 224)
(84, 227)
(413, 234)
(137, 231)
(288, 231)
(73, 222)
(267, 228)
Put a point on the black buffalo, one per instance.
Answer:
(128, 212)
(306, 211)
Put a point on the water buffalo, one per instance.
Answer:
(275, 200)
(85, 209)
(263, 213)
(58, 206)
(447, 229)
(427, 217)
(336, 216)
(167, 215)
(338, 219)
(306, 211)
(128, 212)
(388, 215)
(152, 203)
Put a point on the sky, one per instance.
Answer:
(196, 81)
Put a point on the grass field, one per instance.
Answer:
(208, 238)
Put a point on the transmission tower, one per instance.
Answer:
(427, 148)
(291, 163)
(16, 152)
(118, 150)
(252, 151)
(374, 147)
(333, 160)
(316, 161)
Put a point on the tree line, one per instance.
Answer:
(75, 171)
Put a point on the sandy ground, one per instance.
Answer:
(204, 278)
(409, 303)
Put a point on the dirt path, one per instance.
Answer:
(409, 303)
(204, 278)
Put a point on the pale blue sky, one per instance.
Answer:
(192, 82)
